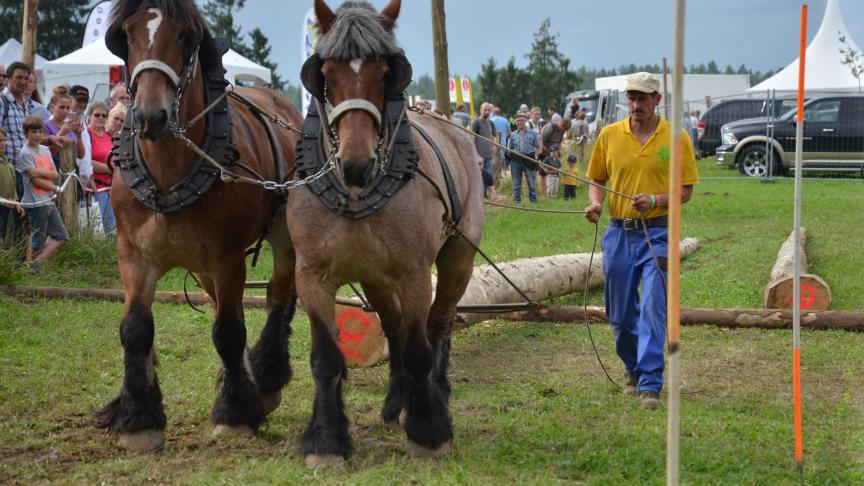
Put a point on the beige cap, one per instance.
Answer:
(644, 82)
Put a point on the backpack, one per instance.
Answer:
(5, 110)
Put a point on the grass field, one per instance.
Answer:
(530, 402)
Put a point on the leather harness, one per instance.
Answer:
(217, 143)
(400, 166)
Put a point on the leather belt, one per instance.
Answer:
(636, 224)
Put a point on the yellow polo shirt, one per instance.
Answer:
(631, 168)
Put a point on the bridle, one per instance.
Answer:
(180, 82)
(330, 115)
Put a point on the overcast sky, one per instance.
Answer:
(763, 34)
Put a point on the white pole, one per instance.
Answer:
(673, 300)
(796, 255)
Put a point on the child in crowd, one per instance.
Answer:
(11, 214)
(554, 163)
(40, 177)
(570, 181)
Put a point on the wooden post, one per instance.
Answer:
(442, 71)
(815, 294)
(28, 33)
(69, 197)
(666, 99)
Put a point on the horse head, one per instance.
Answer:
(357, 68)
(158, 40)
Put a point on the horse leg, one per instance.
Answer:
(455, 263)
(326, 441)
(427, 424)
(137, 414)
(386, 304)
(238, 408)
(270, 360)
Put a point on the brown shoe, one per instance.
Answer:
(630, 384)
(649, 399)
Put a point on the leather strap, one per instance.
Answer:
(333, 113)
(452, 195)
(152, 64)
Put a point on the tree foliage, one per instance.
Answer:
(852, 59)
(60, 28)
(548, 77)
(220, 15)
(424, 87)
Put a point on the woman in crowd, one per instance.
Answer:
(116, 117)
(63, 127)
(101, 142)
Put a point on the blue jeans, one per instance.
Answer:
(640, 325)
(518, 168)
(105, 209)
(487, 173)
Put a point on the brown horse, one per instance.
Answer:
(387, 239)
(173, 210)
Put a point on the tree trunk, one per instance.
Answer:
(815, 293)
(540, 278)
(69, 197)
(28, 37)
(850, 320)
(732, 318)
(442, 70)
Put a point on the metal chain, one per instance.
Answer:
(227, 175)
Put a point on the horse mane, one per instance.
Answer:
(183, 12)
(358, 32)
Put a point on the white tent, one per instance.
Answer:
(824, 69)
(91, 65)
(11, 51)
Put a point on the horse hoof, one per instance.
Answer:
(271, 401)
(223, 429)
(143, 442)
(418, 450)
(403, 417)
(330, 461)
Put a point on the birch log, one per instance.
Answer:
(540, 278)
(815, 294)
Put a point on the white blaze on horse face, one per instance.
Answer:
(153, 24)
(356, 64)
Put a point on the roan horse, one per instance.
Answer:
(176, 73)
(389, 247)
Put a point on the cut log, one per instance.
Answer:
(360, 336)
(815, 294)
(851, 320)
(731, 318)
(540, 278)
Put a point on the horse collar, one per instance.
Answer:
(397, 163)
(201, 175)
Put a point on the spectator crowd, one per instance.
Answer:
(557, 142)
(33, 140)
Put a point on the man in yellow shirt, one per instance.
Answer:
(633, 155)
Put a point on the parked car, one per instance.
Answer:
(728, 111)
(833, 139)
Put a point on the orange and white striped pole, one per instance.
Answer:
(796, 278)
(673, 290)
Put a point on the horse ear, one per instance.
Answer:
(324, 15)
(390, 14)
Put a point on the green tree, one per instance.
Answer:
(61, 24)
(548, 69)
(260, 53)
(511, 88)
(424, 87)
(852, 59)
(220, 14)
(487, 81)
